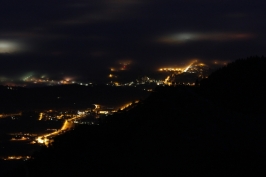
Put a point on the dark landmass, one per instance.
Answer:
(214, 129)
(239, 86)
(66, 97)
(28, 122)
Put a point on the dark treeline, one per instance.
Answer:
(186, 131)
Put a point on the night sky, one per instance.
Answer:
(86, 38)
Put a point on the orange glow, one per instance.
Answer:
(41, 116)
(170, 69)
(44, 139)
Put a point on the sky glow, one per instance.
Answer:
(86, 38)
(8, 47)
(188, 37)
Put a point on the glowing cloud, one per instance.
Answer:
(187, 37)
(9, 46)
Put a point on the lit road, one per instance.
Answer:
(68, 124)
(167, 80)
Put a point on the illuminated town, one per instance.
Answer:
(55, 122)
(198, 69)
(132, 88)
(187, 75)
(69, 120)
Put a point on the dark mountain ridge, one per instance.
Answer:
(239, 85)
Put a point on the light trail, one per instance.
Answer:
(166, 80)
(44, 139)
(185, 70)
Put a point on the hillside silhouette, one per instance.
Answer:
(214, 129)
(239, 85)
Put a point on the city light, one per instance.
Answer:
(199, 69)
(171, 69)
(17, 158)
(41, 116)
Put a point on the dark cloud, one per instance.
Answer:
(86, 38)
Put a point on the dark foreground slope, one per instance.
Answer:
(173, 132)
(176, 131)
(239, 86)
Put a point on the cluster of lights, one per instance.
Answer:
(32, 79)
(17, 158)
(193, 67)
(21, 139)
(171, 69)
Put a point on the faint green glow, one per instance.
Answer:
(184, 36)
(27, 76)
(180, 38)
